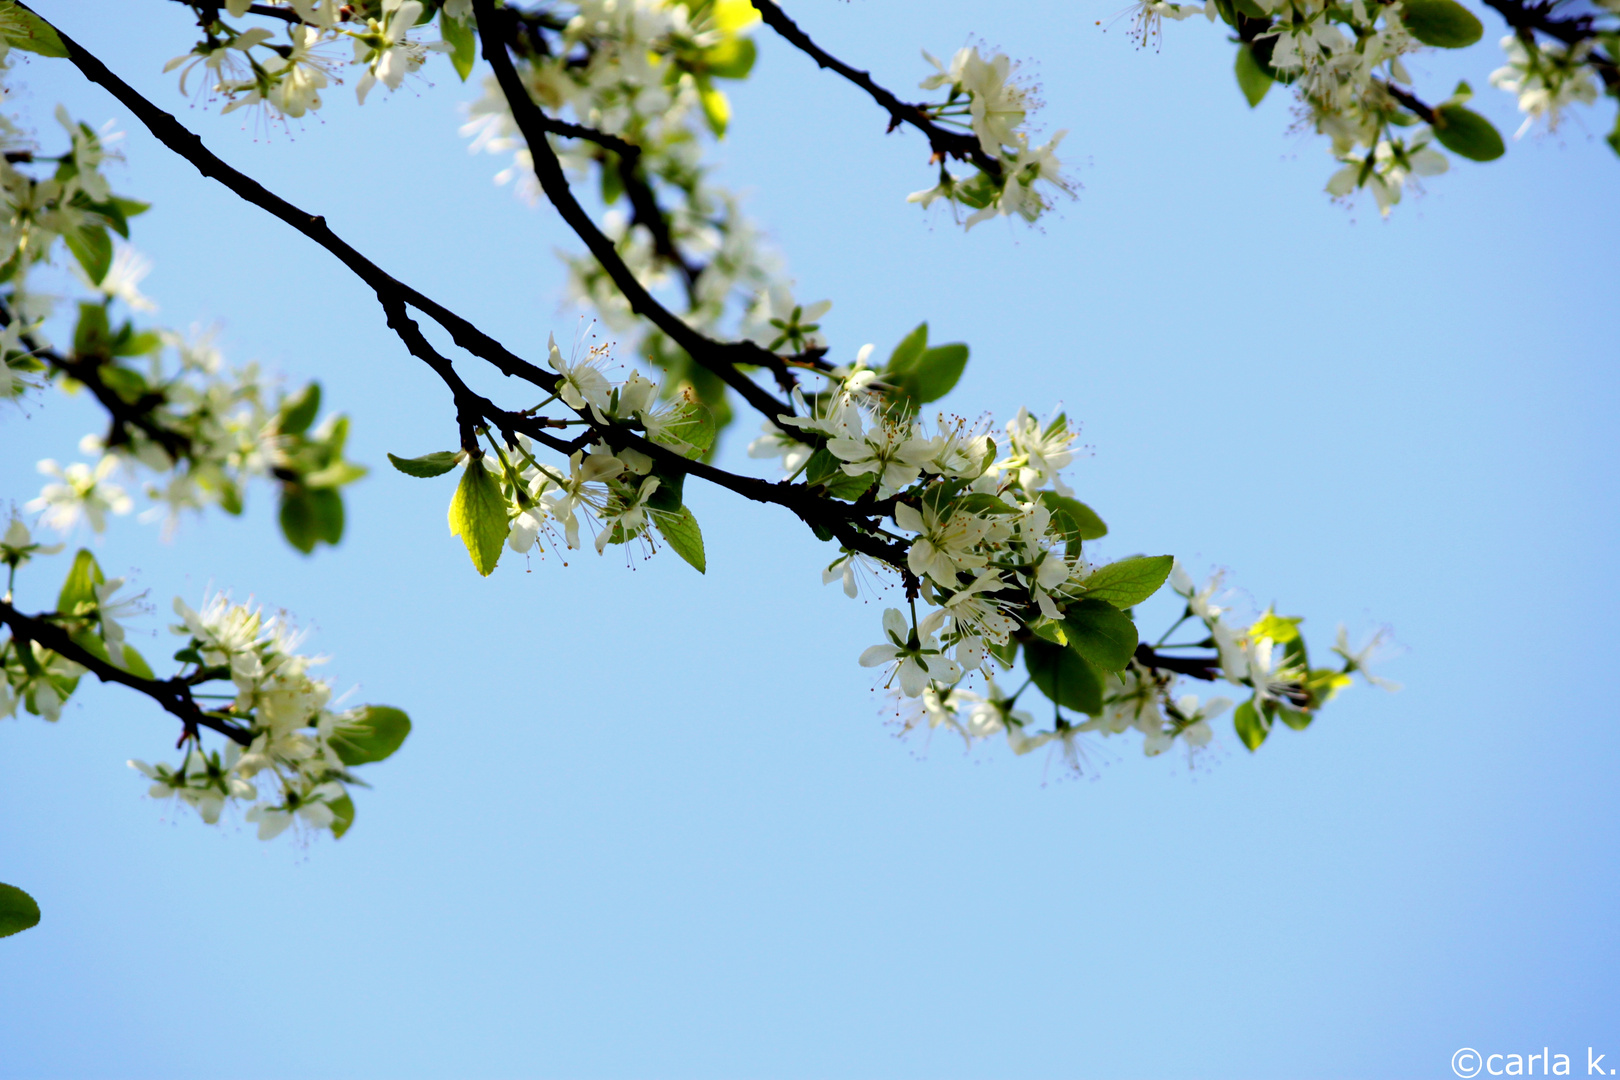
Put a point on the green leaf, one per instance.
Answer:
(1101, 633)
(681, 531)
(1445, 24)
(310, 516)
(1252, 728)
(298, 410)
(1063, 676)
(920, 374)
(342, 816)
(93, 248)
(1130, 581)
(716, 110)
(428, 465)
(1294, 718)
(1279, 628)
(733, 58)
(910, 349)
(28, 32)
(478, 516)
(1251, 77)
(1073, 519)
(463, 44)
(1467, 134)
(80, 585)
(18, 911)
(335, 475)
(92, 337)
(826, 470)
(371, 735)
(690, 429)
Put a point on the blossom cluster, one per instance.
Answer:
(1346, 64)
(987, 97)
(191, 430)
(290, 754)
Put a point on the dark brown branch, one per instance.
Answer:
(1411, 101)
(172, 134)
(944, 142)
(1207, 668)
(721, 358)
(125, 414)
(174, 695)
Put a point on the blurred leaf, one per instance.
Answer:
(79, 587)
(94, 250)
(28, 32)
(1251, 727)
(462, 41)
(733, 58)
(1251, 77)
(1445, 24)
(298, 410)
(372, 735)
(342, 816)
(1073, 519)
(1467, 134)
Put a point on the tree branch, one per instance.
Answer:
(174, 135)
(943, 141)
(174, 695)
(721, 358)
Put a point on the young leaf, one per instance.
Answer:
(428, 465)
(92, 337)
(478, 516)
(689, 430)
(298, 410)
(716, 110)
(1252, 728)
(1101, 633)
(681, 531)
(93, 248)
(342, 816)
(373, 735)
(732, 58)
(80, 585)
(26, 31)
(1130, 581)
(1445, 24)
(920, 374)
(1251, 77)
(1467, 134)
(463, 45)
(18, 911)
(1073, 519)
(1064, 677)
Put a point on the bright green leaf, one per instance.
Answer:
(1064, 677)
(681, 531)
(1251, 727)
(1278, 628)
(1101, 633)
(1445, 24)
(373, 734)
(732, 58)
(1295, 718)
(18, 911)
(342, 816)
(463, 44)
(478, 516)
(689, 429)
(1467, 134)
(335, 475)
(428, 465)
(80, 585)
(716, 110)
(28, 32)
(1251, 77)
(1128, 582)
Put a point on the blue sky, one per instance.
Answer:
(653, 824)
